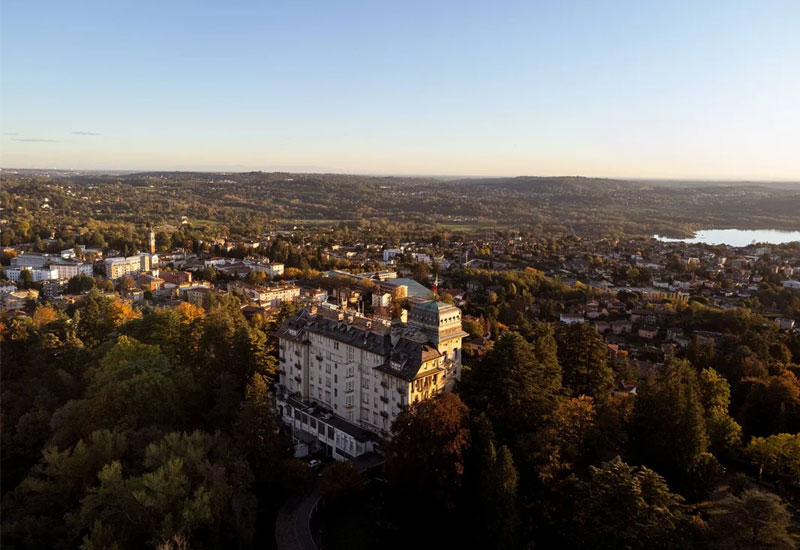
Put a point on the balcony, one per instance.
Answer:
(282, 371)
(385, 385)
(318, 357)
(384, 414)
(298, 379)
(401, 391)
(384, 399)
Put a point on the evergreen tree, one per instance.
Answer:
(669, 430)
(515, 390)
(583, 356)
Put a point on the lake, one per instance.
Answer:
(738, 237)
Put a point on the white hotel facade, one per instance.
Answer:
(344, 378)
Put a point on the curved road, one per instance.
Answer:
(293, 525)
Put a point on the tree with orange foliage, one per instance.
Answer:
(43, 316)
(120, 312)
(190, 312)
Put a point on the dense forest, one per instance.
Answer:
(128, 431)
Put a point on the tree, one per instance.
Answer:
(491, 490)
(572, 438)
(43, 316)
(190, 484)
(26, 278)
(777, 455)
(629, 507)
(754, 520)
(583, 356)
(341, 482)
(772, 406)
(725, 435)
(668, 428)
(34, 513)
(427, 453)
(513, 387)
(100, 315)
(80, 283)
(258, 434)
(125, 359)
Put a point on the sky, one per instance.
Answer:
(637, 89)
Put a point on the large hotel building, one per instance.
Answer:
(344, 378)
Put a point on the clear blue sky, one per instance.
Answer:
(598, 88)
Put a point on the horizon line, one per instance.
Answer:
(321, 171)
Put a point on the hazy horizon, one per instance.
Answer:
(321, 171)
(627, 90)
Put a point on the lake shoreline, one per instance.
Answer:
(737, 238)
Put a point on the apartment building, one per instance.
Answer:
(38, 274)
(132, 265)
(67, 269)
(272, 269)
